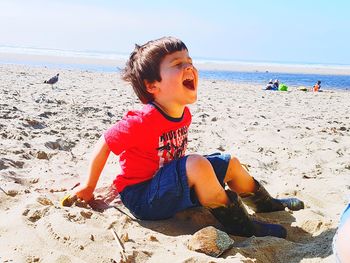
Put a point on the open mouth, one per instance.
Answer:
(188, 83)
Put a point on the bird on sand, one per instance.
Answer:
(52, 80)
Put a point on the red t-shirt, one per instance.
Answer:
(145, 140)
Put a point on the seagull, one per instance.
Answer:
(53, 80)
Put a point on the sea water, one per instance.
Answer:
(290, 79)
(260, 78)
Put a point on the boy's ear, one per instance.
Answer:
(150, 86)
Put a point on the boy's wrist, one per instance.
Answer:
(91, 186)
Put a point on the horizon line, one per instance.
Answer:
(112, 55)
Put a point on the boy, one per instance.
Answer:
(157, 179)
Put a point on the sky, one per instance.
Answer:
(298, 31)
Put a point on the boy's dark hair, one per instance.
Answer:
(144, 64)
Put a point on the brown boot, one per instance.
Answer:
(261, 201)
(236, 220)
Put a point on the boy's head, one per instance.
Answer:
(144, 64)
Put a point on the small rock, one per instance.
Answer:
(12, 193)
(111, 115)
(92, 238)
(153, 238)
(210, 241)
(41, 155)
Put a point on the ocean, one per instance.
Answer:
(328, 82)
(260, 78)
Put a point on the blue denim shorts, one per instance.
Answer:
(168, 191)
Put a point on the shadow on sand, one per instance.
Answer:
(299, 244)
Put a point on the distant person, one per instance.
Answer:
(157, 178)
(317, 86)
(270, 85)
(276, 84)
(341, 240)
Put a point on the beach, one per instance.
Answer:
(295, 143)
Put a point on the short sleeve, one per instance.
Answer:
(123, 135)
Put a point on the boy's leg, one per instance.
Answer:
(236, 220)
(238, 178)
(206, 176)
(253, 193)
(202, 178)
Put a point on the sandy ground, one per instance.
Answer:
(296, 143)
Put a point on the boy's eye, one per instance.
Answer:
(181, 64)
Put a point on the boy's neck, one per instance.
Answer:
(174, 112)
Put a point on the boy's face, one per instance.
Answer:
(178, 86)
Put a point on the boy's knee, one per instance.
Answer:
(233, 164)
(234, 161)
(197, 167)
(196, 161)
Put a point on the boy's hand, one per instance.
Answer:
(84, 192)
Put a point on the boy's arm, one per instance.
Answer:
(97, 163)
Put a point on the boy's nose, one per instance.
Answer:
(189, 66)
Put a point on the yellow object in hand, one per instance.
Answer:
(68, 200)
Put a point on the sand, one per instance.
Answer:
(296, 143)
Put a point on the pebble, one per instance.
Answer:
(41, 155)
